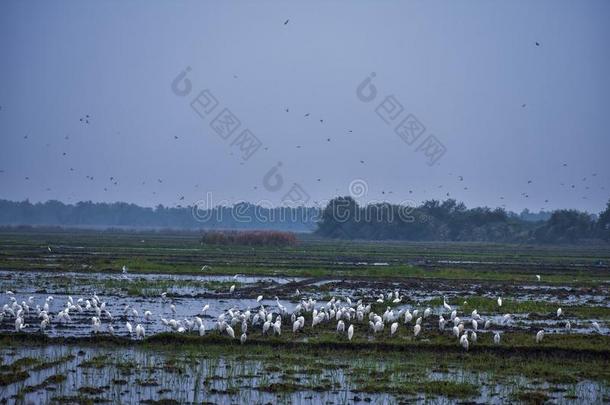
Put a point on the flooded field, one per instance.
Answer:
(223, 333)
(221, 375)
(148, 299)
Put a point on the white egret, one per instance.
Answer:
(441, 322)
(597, 327)
(340, 326)
(277, 326)
(140, 331)
(19, 324)
(464, 342)
(95, 324)
(445, 305)
(539, 336)
(267, 325)
(497, 338)
(350, 332)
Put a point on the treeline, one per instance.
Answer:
(122, 215)
(452, 221)
(433, 220)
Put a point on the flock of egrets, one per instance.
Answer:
(269, 321)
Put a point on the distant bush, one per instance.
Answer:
(249, 238)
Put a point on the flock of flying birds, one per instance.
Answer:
(345, 313)
(86, 120)
(114, 181)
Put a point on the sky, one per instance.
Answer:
(499, 104)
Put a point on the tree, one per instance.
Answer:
(565, 226)
(602, 227)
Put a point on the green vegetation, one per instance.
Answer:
(228, 368)
(486, 305)
(449, 220)
(85, 252)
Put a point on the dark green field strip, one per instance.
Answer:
(356, 253)
(313, 246)
(182, 253)
(513, 343)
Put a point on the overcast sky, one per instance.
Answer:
(517, 93)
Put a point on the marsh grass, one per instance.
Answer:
(487, 305)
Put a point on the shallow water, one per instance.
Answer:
(54, 282)
(190, 293)
(132, 375)
(80, 324)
